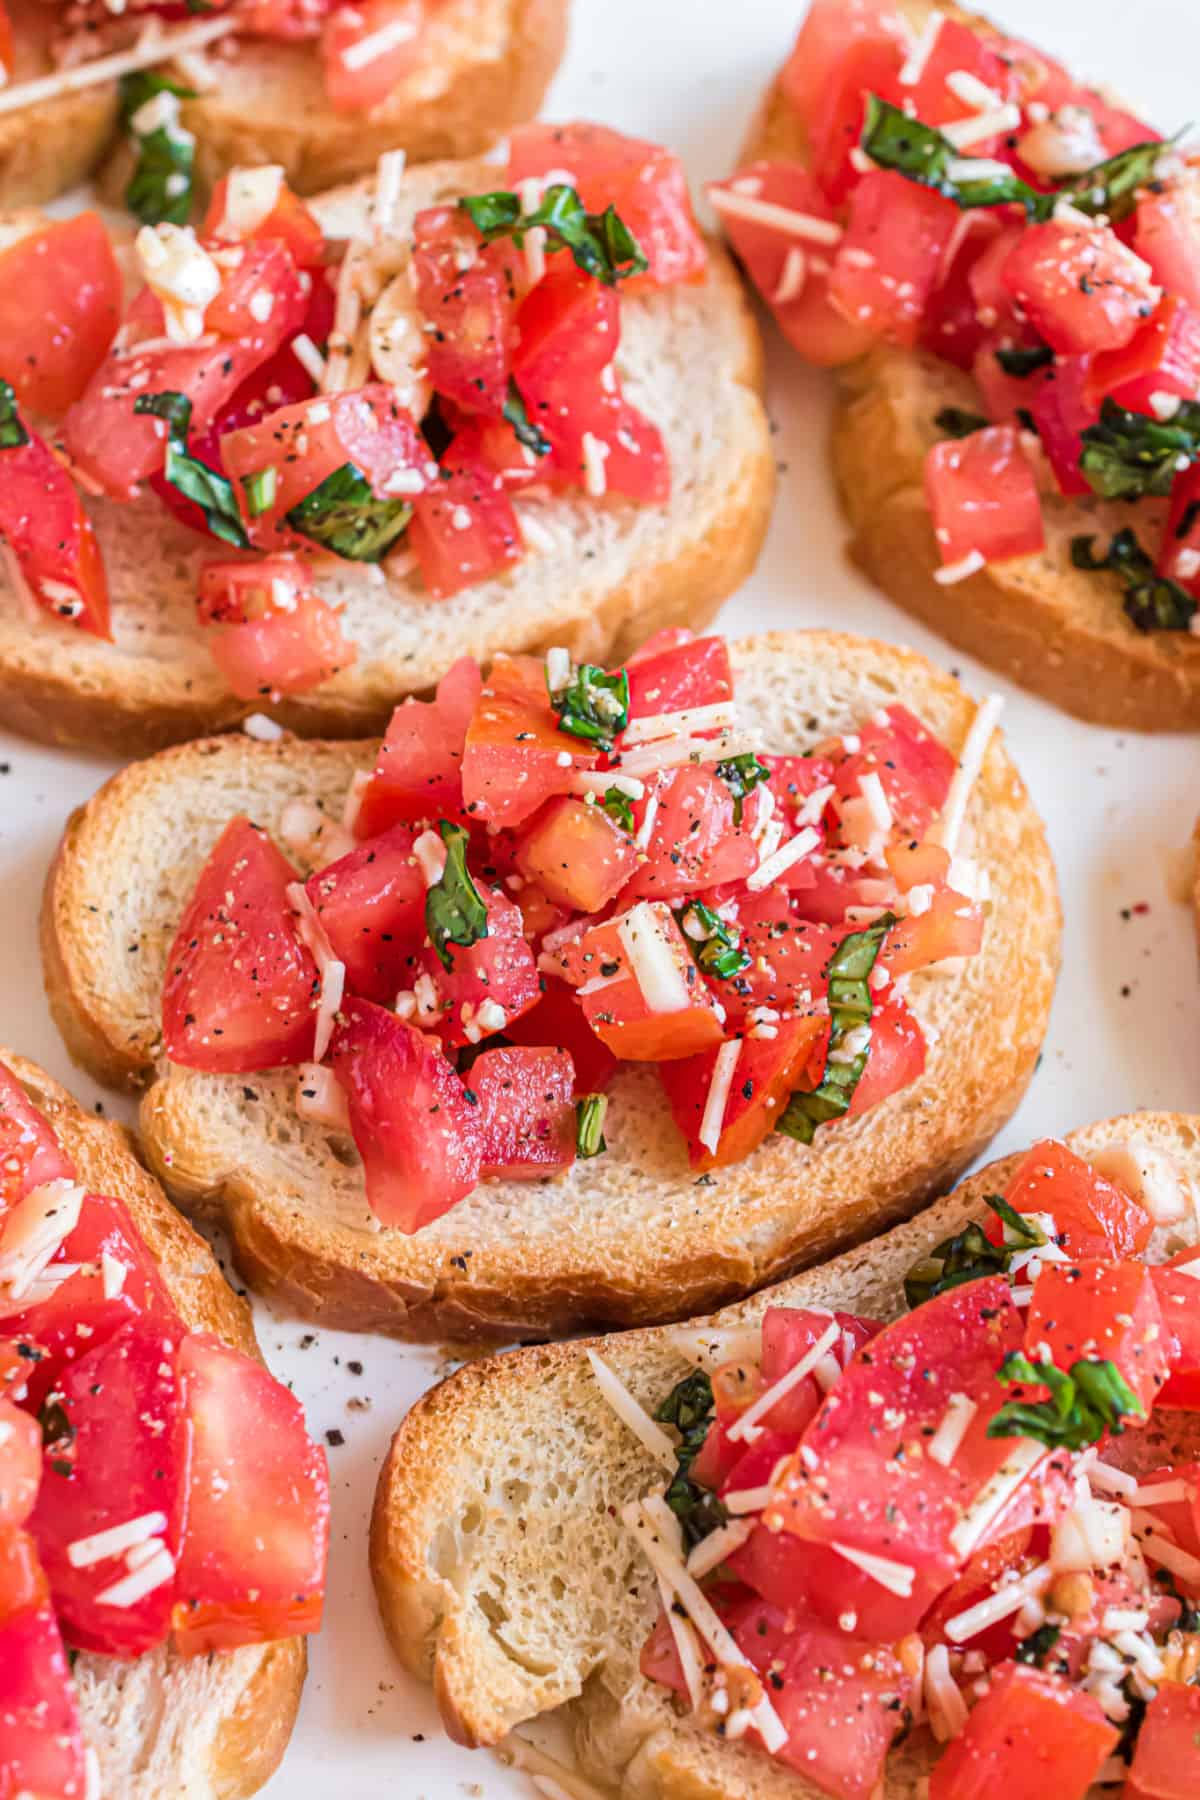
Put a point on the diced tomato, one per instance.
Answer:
(677, 1019)
(870, 65)
(788, 1335)
(7, 50)
(124, 1403)
(415, 1129)
(1181, 1516)
(891, 255)
(958, 49)
(267, 631)
(1179, 1297)
(287, 218)
(60, 304)
(1162, 357)
(23, 1581)
(569, 326)
(992, 1564)
(20, 1464)
(914, 767)
(578, 855)
(41, 1740)
(1092, 1215)
(788, 955)
(694, 842)
(510, 762)
(895, 1055)
(1061, 413)
(767, 1072)
(667, 678)
(464, 289)
(1079, 286)
(951, 926)
(499, 968)
(792, 277)
(816, 1583)
(526, 1112)
(280, 461)
(464, 529)
(584, 420)
(30, 1153)
(252, 1562)
(645, 183)
(828, 30)
(241, 988)
(78, 1316)
(558, 1019)
(43, 523)
(419, 771)
(1031, 1734)
(1179, 553)
(794, 778)
(1167, 236)
(1166, 1757)
(354, 31)
(983, 496)
(371, 904)
(1102, 1311)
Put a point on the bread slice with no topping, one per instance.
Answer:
(165, 1727)
(631, 1236)
(600, 577)
(505, 1577)
(1055, 629)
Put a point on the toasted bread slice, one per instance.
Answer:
(49, 147)
(1055, 629)
(628, 1237)
(502, 1570)
(607, 575)
(216, 1727)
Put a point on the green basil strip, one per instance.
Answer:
(161, 187)
(619, 807)
(260, 490)
(1080, 1407)
(956, 423)
(1153, 602)
(715, 945)
(342, 514)
(1128, 455)
(211, 492)
(689, 1407)
(590, 1110)
(741, 774)
(455, 912)
(13, 434)
(849, 1007)
(970, 1254)
(593, 705)
(600, 243)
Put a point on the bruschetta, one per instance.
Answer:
(1004, 266)
(164, 1515)
(923, 1520)
(586, 996)
(321, 87)
(329, 451)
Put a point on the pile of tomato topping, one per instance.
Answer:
(929, 1526)
(155, 1484)
(304, 403)
(964, 198)
(563, 869)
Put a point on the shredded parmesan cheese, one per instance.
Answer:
(897, 1577)
(914, 63)
(719, 716)
(773, 866)
(652, 959)
(944, 1445)
(156, 46)
(34, 1232)
(719, 1544)
(84, 1551)
(745, 1426)
(779, 218)
(994, 1495)
(718, 1093)
(649, 1434)
(948, 829)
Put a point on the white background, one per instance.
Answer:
(1126, 1026)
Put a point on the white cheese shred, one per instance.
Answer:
(651, 1435)
(745, 1426)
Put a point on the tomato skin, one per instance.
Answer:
(30, 1152)
(895, 1056)
(499, 967)
(20, 1464)
(352, 89)
(1031, 1734)
(285, 652)
(618, 1011)
(568, 326)
(1062, 412)
(1166, 1757)
(983, 497)
(252, 1561)
(958, 48)
(952, 926)
(1163, 357)
(1094, 1217)
(289, 220)
(41, 1739)
(693, 843)
(904, 230)
(646, 184)
(125, 1402)
(371, 903)
(829, 27)
(418, 775)
(416, 1132)
(464, 529)
(510, 759)
(471, 309)
(667, 677)
(578, 855)
(241, 988)
(769, 1068)
(1104, 1310)
(60, 304)
(43, 522)
(558, 1019)
(1079, 286)
(526, 1112)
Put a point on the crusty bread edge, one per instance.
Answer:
(254, 1737)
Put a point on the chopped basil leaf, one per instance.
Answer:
(689, 1407)
(849, 1007)
(714, 944)
(1152, 601)
(741, 774)
(208, 490)
(161, 186)
(1037, 1647)
(1128, 454)
(1022, 360)
(344, 516)
(600, 243)
(1020, 1232)
(593, 705)
(1112, 186)
(12, 433)
(619, 807)
(589, 1124)
(1080, 1408)
(970, 1254)
(524, 430)
(260, 491)
(959, 424)
(455, 912)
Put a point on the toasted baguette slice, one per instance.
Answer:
(504, 1575)
(1055, 629)
(164, 1726)
(52, 146)
(606, 574)
(631, 1236)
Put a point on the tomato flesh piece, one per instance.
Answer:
(526, 1112)
(578, 855)
(983, 497)
(1167, 236)
(1093, 1216)
(241, 988)
(871, 65)
(41, 1739)
(1105, 1311)
(828, 30)
(464, 530)
(819, 1584)
(1162, 358)
(895, 1056)
(43, 523)
(767, 1072)
(1079, 286)
(20, 1464)
(1166, 1757)
(619, 1012)
(1031, 1734)
(914, 767)
(499, 968)
(23, 1582)
(352, 86)
(416, 1132)
(419, 771)
(889, 260)
(252, 1565)
(371, 905)
(1177, 1296)
(568, 326)
(125, 1402)
(1062, 412)
(267, 631)
(694, 842)
(558, 1019)
(510, 763)
(288, 220)
(463, 289)
(60, 305)
(30, 1152)
(669, 677)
